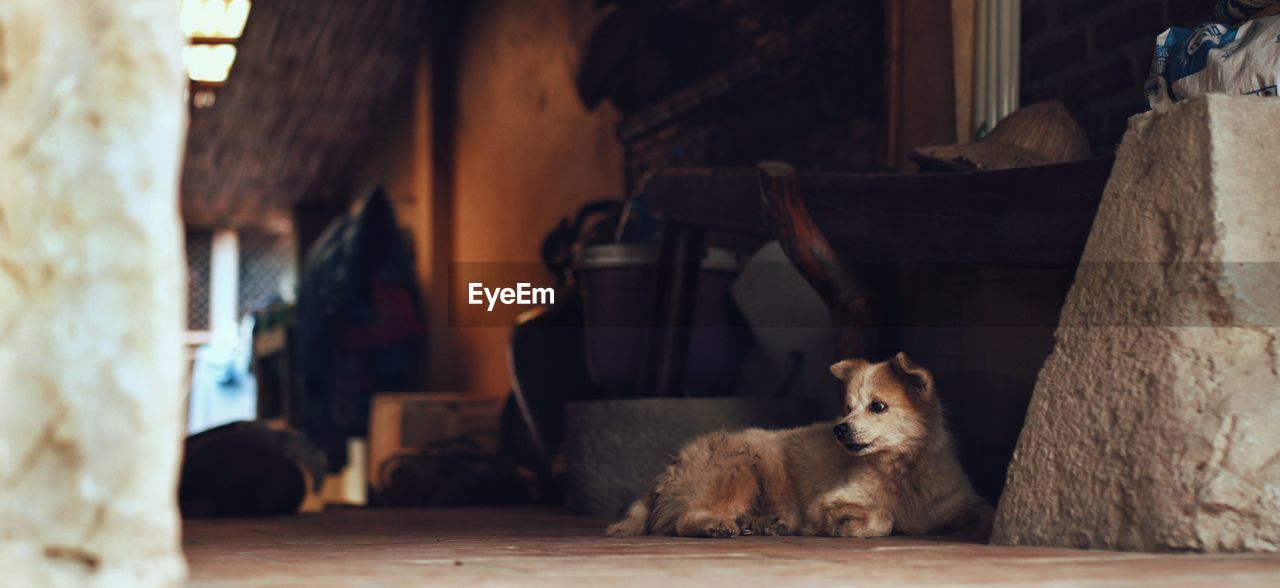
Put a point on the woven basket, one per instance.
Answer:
(1238, 11)
(1040, 134)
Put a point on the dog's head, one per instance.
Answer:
(887, 406)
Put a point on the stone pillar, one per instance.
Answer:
(92, 123)
(1154, 423)
(224, 284)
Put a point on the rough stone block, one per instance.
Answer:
(617, 447)
(1153, 423)
(91, 292)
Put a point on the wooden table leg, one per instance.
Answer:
(814, 257)
(676, 286)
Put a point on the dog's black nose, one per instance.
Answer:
(842, 430)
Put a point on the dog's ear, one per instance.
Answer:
(846, 369)
(918, 380)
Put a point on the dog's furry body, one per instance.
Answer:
(888, 466)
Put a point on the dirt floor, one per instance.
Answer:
(548, 547)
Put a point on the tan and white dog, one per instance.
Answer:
(886, 466)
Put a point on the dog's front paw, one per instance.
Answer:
(721, 530)
(707, 526)
(770, 526)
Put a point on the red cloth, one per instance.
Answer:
(395, 319)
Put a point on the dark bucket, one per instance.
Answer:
(618, 283)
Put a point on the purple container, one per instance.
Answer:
(618, 288)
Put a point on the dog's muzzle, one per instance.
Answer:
(844, 434)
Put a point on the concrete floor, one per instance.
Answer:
(548, 547)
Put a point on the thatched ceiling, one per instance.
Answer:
(313, 78)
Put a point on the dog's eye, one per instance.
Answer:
(877, 406)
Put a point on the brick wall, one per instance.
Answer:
(1094, 55)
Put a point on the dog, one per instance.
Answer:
(887, 465)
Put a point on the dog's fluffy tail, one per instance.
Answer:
(637, 520)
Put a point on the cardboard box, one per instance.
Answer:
(404, 423)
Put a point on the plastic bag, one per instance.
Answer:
(1215, 59)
